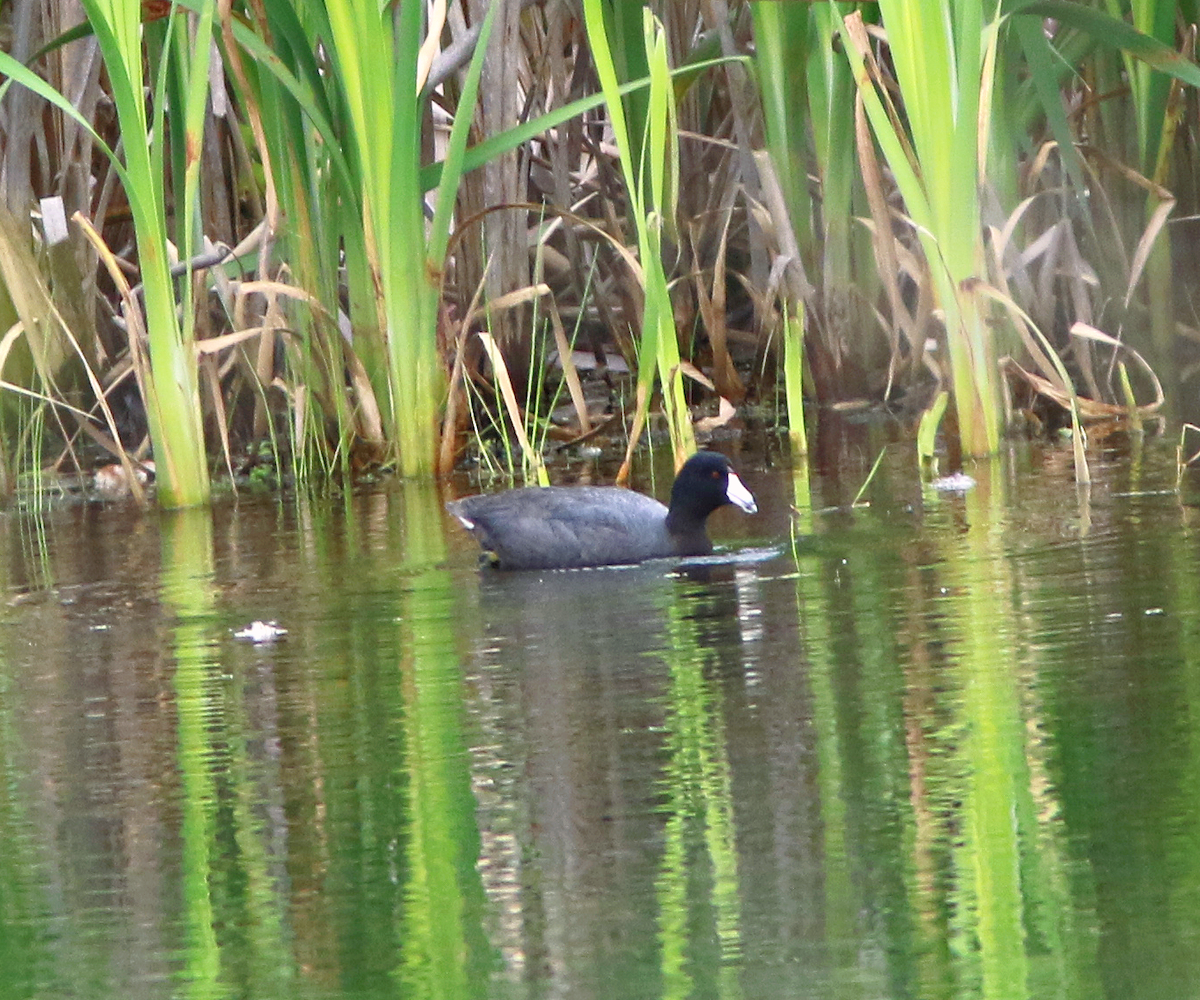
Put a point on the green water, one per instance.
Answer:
(948, 746)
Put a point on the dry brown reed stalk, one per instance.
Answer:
(339, 368)
(41, 149)
(448, 448)
(577, 174)
(1062, 255)
(509, 85)
(628, 275)
(888, 250)
(53, 349)
(1182, 463)
(1023, 322)
(712, 305)
(570, 374)
(47, 156)
(268, 211)
(1054, 388)
(562, 170)
(726, 167)
(532, 456)
(1055, 274)
(513, 300)
(721, 179)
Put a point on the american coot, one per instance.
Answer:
(564, 527)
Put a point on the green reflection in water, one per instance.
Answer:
(249, 897)
(842, 902)
(1017, 929)
(344, 754)
(1183, 895)
(941, 831)
(25, 957)
(21, 953)
(187, 590)
(987, 895)
(443, 951)
(855, 630)
(697, 886)
(1060, 912)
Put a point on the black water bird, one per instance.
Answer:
(568, 527)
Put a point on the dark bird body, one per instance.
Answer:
(567, 527)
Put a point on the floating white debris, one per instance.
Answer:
(260, 632)
(960, 482)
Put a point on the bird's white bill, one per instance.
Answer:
(737, 493)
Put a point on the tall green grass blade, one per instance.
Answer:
(1151, 89)
(454, 164)
(862, 490)
(313, 180)
(1045, 69)
(302, 81)
(661, 153)
(781, 34)
(625, 39)
(927, 430)
(439, 230)
(793, 381)
(492, 146)
(659, 349)
(385, 108)
(831, 89)
(1114, 33)
(171, 383)
(938, 50)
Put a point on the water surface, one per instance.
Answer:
(935, 746)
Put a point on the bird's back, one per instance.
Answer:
(562, 527)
